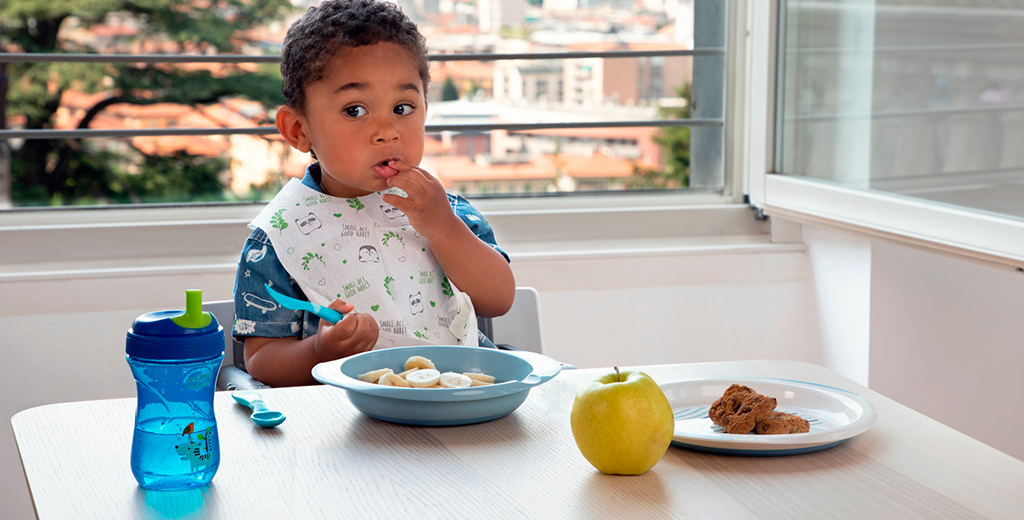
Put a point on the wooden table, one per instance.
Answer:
(330, 461)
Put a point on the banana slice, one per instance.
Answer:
(479, 383)
(423, 378)
(407, 372)
(392, 379)
(418, 362)
(477, 376)
(374, 375)
(455, 380)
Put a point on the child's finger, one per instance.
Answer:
(342, 306)
(359, 335)
(343, 329)
(411, 171)
(404, 165)
(366, 329)
(411, 186)
(401, 165)
(400, 203)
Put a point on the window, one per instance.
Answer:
(901, 118)
(619, 82)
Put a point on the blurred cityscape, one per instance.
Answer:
(503, 91)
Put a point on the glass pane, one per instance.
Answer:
(247, 167)
(550, 161)
(920, 98)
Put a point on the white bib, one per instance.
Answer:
(364, 251)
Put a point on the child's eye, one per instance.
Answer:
(404, 109)
(355, 111)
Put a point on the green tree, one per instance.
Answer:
(54, 171)
(174, 178)
(449, 92)
(675, 146)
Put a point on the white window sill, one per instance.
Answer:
(988, 238)
(98, 243)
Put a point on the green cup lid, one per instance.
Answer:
(194, 317)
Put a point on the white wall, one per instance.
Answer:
(841, 284)
(677, 308)
(941, 335)
(947, 339)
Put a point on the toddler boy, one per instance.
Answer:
(366, 232)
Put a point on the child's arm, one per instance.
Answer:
(472, 265)
(289, 361)
(475, 268)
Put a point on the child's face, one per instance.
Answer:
(369, 109)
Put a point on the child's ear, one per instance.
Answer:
(293, 128)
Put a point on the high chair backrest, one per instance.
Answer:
(232, 374)
(519, 328)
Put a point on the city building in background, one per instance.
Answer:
(503, 91)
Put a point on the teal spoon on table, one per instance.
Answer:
(326, 313)
(262, 415)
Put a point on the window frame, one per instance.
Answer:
(975, 234)
(685, 218)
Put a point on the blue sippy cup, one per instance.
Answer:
(175, 357)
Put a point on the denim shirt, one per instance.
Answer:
(258, 264)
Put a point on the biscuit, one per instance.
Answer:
(730, 401)
(782, 423)
(740, 408)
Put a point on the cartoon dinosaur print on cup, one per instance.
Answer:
(192, 452)
(197, 454)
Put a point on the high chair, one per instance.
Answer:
(518, 329)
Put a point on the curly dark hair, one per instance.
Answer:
(313, 41)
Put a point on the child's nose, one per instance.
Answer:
(385, 133)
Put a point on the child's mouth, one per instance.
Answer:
(384, 170)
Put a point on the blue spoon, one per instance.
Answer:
(262, 415)
(326, 313)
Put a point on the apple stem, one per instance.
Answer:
(618, 375)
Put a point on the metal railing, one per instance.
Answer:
(31, 57)
(269, 130)
(922, 112)
(943, 49)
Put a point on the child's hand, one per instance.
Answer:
(427, 204)
(356, 332)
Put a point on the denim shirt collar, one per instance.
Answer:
(312, 177)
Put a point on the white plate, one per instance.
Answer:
(835, 416)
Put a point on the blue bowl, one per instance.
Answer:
(515, 373)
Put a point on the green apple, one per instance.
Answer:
(622, 422)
